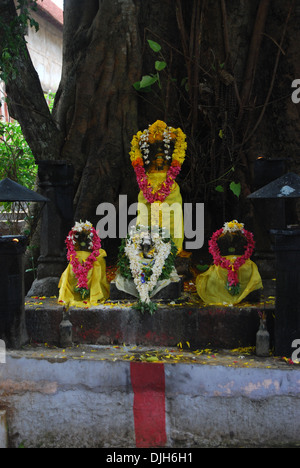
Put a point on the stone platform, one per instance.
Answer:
(92, 394)
(186, 320)
(94, 397)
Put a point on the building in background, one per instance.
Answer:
(45, 49)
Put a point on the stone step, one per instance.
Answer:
(117, 322)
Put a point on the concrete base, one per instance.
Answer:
(88, 397)
(92, 394)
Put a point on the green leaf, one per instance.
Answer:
(236, 188)
(219, 188)
(154, 46)
(202, 268)
(34, 24)
(159, 66)
(148, 80)
(6, 55)
(137, 85)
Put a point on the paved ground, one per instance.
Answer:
(239, 357)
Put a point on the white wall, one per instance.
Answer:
(79, 402)
(45, 48)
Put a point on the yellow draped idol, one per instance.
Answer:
(211, 285)
(176, 218)
(97, 283)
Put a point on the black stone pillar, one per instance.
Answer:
(56, 184)
(12, 296)
(287, 314)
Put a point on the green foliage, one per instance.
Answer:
(12, 38)
(144, 308)
(154, 46)
(16, 159)
(123, 261)
(202, 268)
(144, 85)
(50, 98)
(160, 65)
(83, 292)
(233, 290)
(235, 188)
(18, 164)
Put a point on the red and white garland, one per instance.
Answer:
(232, 267)
(81, 271)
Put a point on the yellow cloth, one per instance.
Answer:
(97, 283)
(211, 285)
(176, 225)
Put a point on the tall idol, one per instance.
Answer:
(157, 155)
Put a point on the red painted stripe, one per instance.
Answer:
(148, 383)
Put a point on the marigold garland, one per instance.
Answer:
(81, 271)
(233, 284)
(159, 131)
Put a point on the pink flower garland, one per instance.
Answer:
(232, 268)
(81, 270)
(165, 189)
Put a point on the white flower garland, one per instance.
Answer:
(133, 252)
(144, 144)
(86, 227)
(233, 226)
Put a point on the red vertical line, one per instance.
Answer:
(148, 383)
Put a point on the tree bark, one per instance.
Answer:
(96, 106)
(97, 110)
(254, 51)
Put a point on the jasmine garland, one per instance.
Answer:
(146, 274)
